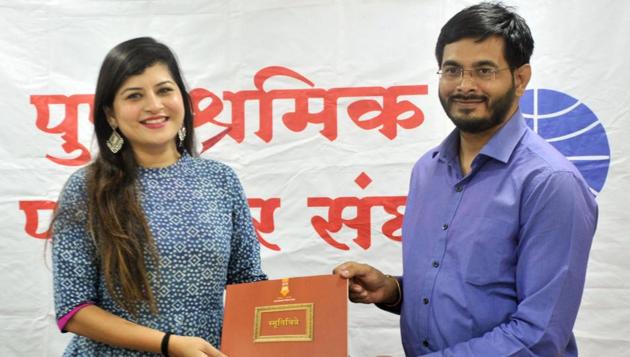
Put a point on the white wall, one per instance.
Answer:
(56, 47)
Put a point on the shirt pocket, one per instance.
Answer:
(492, 255)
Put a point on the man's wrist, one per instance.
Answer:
(397, 293)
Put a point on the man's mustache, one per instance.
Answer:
(467, 97)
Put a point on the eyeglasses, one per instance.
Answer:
(455, 73)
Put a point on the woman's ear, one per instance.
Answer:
(110, 118)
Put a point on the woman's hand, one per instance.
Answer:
(100, 325)
(186, 346)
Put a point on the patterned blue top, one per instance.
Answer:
(201, 224)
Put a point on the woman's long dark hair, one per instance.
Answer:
(115, 217)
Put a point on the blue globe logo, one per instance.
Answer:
(573, 129)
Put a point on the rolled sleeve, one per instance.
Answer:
(75, 268)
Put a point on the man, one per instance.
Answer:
(498, 224)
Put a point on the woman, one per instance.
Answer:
(147, 236)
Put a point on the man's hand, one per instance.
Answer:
(367, 284)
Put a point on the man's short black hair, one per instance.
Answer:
(488, 19)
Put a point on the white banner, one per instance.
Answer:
(330, 103)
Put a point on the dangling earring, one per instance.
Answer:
(115, 141)
(181, 134)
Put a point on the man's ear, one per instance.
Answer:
(522, 75)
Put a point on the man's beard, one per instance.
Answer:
(498, 111)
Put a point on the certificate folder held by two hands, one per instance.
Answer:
(303, 316)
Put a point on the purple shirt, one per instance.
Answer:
(494, 262)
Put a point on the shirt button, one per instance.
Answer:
(436, 264)
(444, 226)
(458, 188)
(425, 343)
(425, 301)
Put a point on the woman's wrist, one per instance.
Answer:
(164, 346)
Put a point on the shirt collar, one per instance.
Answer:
(499, 147)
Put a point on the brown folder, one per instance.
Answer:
(304, 316)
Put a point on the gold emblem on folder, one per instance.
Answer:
(284, 290)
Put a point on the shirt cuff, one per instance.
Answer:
(61, 322)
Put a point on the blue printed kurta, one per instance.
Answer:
(202, 228)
